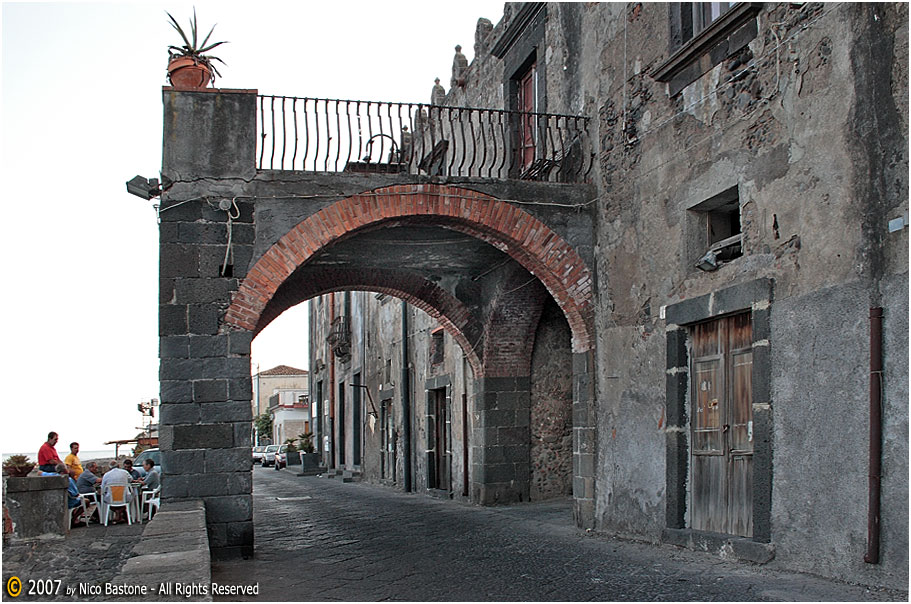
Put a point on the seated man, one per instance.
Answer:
(128, 467)
(117, 477)
(151, 481)
(89, 478)
(47, 454)
(72, 461)
(72, 493)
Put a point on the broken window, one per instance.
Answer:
(718, 236)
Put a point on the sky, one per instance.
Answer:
(81, 114)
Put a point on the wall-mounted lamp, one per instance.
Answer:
(145, 188)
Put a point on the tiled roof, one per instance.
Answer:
(284, 370)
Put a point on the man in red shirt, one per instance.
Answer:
(47, 454)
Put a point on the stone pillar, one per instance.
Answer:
(501, 469)
(205, 415)
(584, 439)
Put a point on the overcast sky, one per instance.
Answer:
(81, 114)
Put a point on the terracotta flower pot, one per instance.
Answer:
(18, 471)
(184, 72)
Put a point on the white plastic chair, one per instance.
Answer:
(89, 499)
(152, 499)
(118, 499)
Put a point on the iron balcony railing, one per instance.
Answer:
(339, 338)
(331, 135)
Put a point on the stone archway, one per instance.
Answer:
(519, 234)
(207, 325)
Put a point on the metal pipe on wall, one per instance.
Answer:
(406, 402)
(876, 434)
(331, 429)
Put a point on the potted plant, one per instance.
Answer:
(18, 465)
(188, 66)
(293, 457)
(309, 456)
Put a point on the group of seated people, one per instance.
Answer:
(86, 480)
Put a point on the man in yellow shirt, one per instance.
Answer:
(72, 461)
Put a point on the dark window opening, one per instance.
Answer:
(437, 349)
(719, 236)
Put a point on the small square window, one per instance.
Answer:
(717, 234)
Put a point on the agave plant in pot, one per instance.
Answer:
(18, 465)
(188, 65)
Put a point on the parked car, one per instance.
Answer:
(154, 455)
(258, 453)
(281, 457)
(269, 456)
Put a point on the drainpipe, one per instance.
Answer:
(406, 401)
(331, 430)
(876, 434)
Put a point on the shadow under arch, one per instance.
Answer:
(448, 310)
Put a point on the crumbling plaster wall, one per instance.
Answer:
(791, 132)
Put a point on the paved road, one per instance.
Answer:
(90, 556)
(318, 539)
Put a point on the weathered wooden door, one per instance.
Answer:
(440, 455)
(721, 420)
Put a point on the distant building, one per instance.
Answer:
(280, 379)
(290, 410)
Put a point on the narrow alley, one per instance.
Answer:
(319, 539)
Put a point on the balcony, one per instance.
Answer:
(333, 135)
(339, 338)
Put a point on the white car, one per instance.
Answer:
(269, 455)
(154, 454)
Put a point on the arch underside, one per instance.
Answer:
(310, 282)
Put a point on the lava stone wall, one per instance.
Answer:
(551, 408)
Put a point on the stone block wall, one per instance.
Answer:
(36, 506)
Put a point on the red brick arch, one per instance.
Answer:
(509, 228)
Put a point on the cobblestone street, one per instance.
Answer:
(90, 555)
(318, 539)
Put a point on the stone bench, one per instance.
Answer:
(173, 551)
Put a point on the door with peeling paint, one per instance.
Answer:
(721, 420)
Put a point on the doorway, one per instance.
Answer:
(722, 426)
(439, 453)
(342, 428)
(357, 425)
(387, 441)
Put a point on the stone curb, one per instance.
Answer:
(173, 549)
